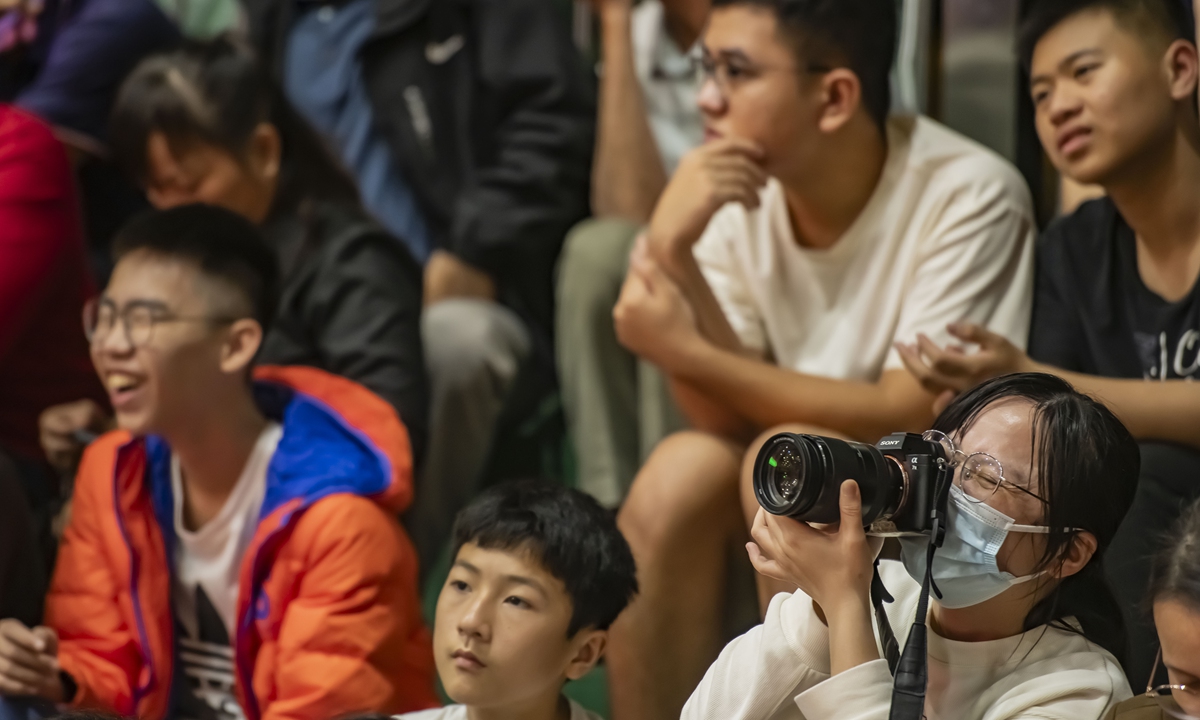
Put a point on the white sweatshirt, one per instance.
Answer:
(780, 671)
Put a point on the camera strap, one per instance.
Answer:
(911, 674)
(887, 636)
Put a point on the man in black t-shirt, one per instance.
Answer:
(1117, 305)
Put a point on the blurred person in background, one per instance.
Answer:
(205, 124)
(1174, 600)
(1117, 299)
(64, 61)
(469, 128)
(233, 551)
(44, 282)
(618, 407)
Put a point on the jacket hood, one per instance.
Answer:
(338, 437)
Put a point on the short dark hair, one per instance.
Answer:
(861, 34)
(573, 538)
(1171, 19)
(220, 243)
(1175, 571)
(1087, 467)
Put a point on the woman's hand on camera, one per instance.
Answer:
(951, 369)
(832, 564)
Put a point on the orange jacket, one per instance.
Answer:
(329, 620)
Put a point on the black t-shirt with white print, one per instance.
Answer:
(1093, 314)
(204, 686)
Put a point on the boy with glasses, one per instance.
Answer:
(785, 258)
(233, 550)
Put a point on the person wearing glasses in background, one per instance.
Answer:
(1117, 299)
(233, 551)
(808, 234)
(1175, 601)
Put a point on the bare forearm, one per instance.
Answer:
(703, 413)
(709, 316)
(851, 636)
(627, 174)
(768, 395)
(1151, 410)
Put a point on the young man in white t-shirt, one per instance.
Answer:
(788, 255)
(540, 572)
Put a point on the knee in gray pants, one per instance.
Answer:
(473, 345)
(474, 350)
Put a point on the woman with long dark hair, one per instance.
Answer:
(206, 124)
(1025, 625)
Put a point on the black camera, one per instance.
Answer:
(800, 476)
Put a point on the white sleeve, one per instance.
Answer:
(978, 263)
(716, 255)
(860, 693)
(758, 674)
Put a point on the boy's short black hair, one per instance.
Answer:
(859, 34)
(1169, 19)
(222, 244)
(573, 538)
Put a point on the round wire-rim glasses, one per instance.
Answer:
(1164, 695)
(100, 316)
(978, 475)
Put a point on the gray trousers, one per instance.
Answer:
(617, 407)
(473, 352)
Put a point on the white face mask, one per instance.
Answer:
(964, 567)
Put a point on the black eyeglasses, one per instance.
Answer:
(727, 74)
(100, 316)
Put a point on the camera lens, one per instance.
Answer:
(801, 475)
(780, 479)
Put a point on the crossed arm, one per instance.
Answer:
(727, 389)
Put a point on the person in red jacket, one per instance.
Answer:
(44, 281)
(233, 551)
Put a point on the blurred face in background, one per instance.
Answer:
(1178, 624)
(1106, 95)
(182, 173)
(755, 87)
(160, 341)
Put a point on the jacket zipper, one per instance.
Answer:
(141, 690)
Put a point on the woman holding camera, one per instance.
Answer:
(1025, 627)
(1175, 598)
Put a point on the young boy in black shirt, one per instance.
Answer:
(1117, 305)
